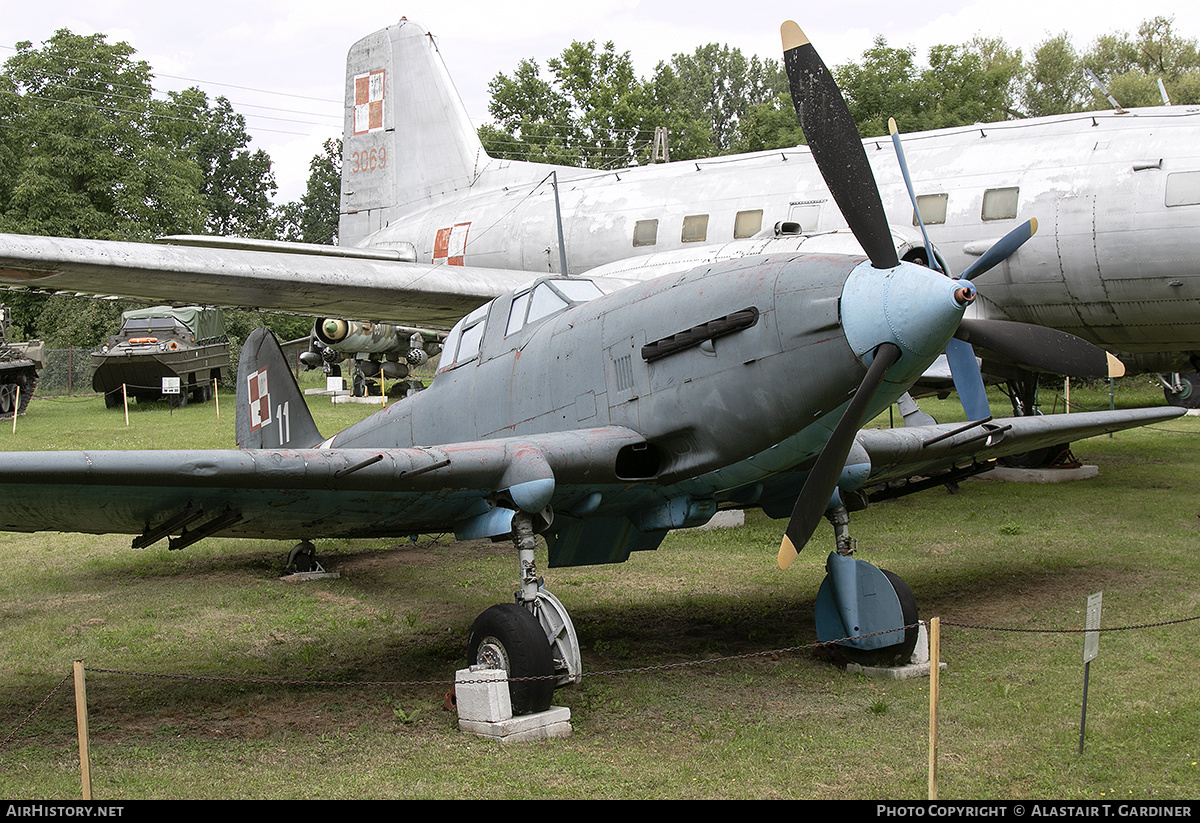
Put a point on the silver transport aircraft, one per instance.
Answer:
(1116, 195)
(598, 414)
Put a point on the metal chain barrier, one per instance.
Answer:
(604, 673)
(4, 743)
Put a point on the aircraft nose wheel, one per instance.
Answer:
(507, 636)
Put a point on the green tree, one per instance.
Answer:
(715, 87)
(961, 84)
(80, 160)
(78, 149)
(769, 125)
(592, 112)
(1131, 67)
(314, 217)
(238, 183)
(1055, 82)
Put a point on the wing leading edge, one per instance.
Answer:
(901, 453)
(470, 488)
(361, 287)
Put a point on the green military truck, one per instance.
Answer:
(187, 343)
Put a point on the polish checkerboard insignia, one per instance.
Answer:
(259, 399)
(368, 102)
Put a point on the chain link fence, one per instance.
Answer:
(67, 372)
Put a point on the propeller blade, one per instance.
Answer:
(968, 381)
(912, 194)
(1040, 347)
(823, 478)
(1000, 251)
(836, 146)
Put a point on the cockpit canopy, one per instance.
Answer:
(532, 304)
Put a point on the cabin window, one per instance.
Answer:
(516, 313)
(932, 209)
(806, 214)
(463, 341)
(1000, 204)
(1183, 188)
(645, 232)
(544, 301)
(546, 298)
(695, 228)
(747, 223)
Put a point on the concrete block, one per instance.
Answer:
(554, 722)
(482, 695)
(917, 666)
(485, 709)
(1039, 475)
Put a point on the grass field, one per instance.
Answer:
(786, 725)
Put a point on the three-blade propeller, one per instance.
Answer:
(838, 151)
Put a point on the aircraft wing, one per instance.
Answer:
(302, 493)
(363, 284)
(926, 451)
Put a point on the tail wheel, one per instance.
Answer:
(302, 558)
(509, 637)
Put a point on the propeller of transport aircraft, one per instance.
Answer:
(837, 149)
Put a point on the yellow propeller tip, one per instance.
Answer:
(1032, 226)
(793, 37)
(892, 125)
(787, 553)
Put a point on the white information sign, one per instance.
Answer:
(1091, 637)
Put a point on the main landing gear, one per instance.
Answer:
(860, 601)
(1182, 389)
(532, 639)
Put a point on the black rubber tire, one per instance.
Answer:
(513, 633)
(302, 558)
(1189, 396)
(898, 654)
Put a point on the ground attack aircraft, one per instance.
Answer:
(601, 421)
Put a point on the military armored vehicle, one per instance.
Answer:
(187, 343)
(19, 366)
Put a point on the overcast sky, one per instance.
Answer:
(281, 62)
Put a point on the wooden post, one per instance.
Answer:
(125, 400)
(935, 652)
(16, 408)
(216, 399)
(81, 722)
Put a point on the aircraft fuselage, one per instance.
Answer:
(731, 373)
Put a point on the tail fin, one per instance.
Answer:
(407, 135)
(271, 412)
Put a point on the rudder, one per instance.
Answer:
(407, 137)
(271, 412)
